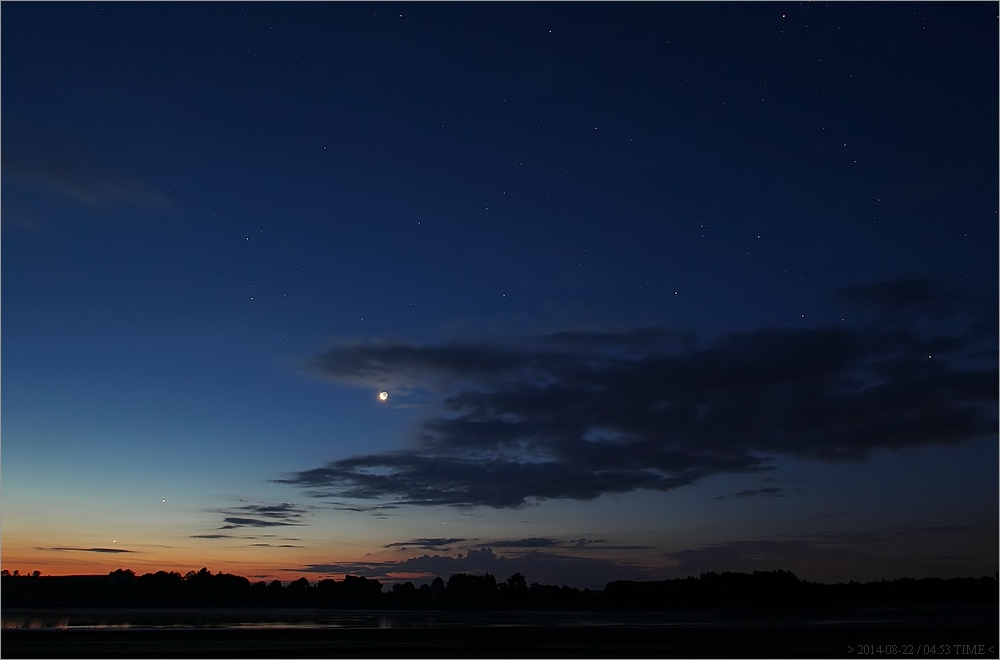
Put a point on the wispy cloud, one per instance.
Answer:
(112, 551)
(376, 509)
(426, 544)
(834, 537)
(770, 491)
(213, 536)
(909, 296)
(75, 178)
(235, 523)
(578, 415)
(575, 544)
(534, 542)
(264, 515)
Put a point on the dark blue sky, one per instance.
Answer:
(647, 285)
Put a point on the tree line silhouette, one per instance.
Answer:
(760, 589)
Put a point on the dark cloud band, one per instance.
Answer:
(263, 515)
(579, 415)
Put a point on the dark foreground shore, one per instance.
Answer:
(968, 641)
(968, 633)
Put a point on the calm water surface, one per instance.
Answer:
(89, 618)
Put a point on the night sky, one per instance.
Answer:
(654, 289)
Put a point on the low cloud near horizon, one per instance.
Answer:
(577, 415)
(827, 556)
(542, 567)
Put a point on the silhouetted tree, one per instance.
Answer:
(769, 589)
(516, 583)
(361, 590)
(298, 586)
(275, 593)
(161, 588)
(437, 587)
(471, 589)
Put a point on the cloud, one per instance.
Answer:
(533, 542)
(832, 514)
(751, 555)
(283, 511)
(265, 515)
(578, 415)
(770, 491)
(831, 555)
(902, 531)
(55, 170)
(773, 491)
(235, 523)
(903, 295)
(545, 568)
(575, 544)
(427, 544)
(113, 551)
(376, 509)
(212, 536)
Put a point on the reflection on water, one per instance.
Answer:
(35, 623)
(143, 619)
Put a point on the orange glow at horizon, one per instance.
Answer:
(83, 562)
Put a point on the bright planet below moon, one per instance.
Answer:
(383, 396)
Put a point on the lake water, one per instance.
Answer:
(138, 619)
